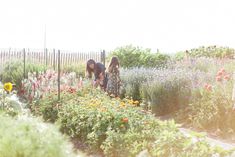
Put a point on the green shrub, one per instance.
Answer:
(165, 89)
(157, 143)
(13, 71)
(133, 80)
(28, 137)
(210, 51)
(78, 69)
(213, 109)
(48, 107)
(130, 57)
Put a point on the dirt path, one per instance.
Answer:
(212, 141)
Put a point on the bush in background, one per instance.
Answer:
(79, 69)
(209, 51)
(130, 56)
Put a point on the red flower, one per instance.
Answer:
(219, 73)
(227, 77)
(205, 86)
(222, 70)
(209, 88)
(125, 120)
(218, 78)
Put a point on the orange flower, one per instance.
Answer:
(125, 120)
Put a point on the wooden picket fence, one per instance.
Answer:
(49, 57)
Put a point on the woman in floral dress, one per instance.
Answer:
(114, 81)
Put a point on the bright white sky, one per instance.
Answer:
(167, 25)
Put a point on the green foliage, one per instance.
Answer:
(133, 79)
(213, 109)
(117, 128)
(130, 56)
(167, 90)
(78, 69)
(13, 71)
(49, 106)
(29, 137)
(168, 95)
(210, 51)
(179, 56)
(9, 102)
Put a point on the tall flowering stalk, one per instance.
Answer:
(35, 87)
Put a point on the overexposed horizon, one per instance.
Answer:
(91, 25)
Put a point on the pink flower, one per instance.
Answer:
(227, 77)
(218, 78)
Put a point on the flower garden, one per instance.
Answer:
(86, 121)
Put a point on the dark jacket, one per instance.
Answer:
(100, 68)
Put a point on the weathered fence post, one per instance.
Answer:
(24, 59)
(46, 56)
(54, 59)
(58, 75)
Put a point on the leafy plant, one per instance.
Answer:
(79, 69)
(13, 71)
(29, 137)
(9, 103)
(114, 126)
(211, 107)
(209, 51)
(130, 56)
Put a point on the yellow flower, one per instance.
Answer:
(136, 102)
(122, 104)
(131, 102)
(8, 87)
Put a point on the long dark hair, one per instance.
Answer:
(114, 63)
(88, 69)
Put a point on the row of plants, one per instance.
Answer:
(39, 85)
(115, 127)
(180, 88)
(208, 51)
(111, 126)
(27, 136)
(13, 71)
(131, 56)
(212, 106)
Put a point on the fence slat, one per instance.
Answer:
(49, 57)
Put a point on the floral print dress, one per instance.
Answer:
(114, 82)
